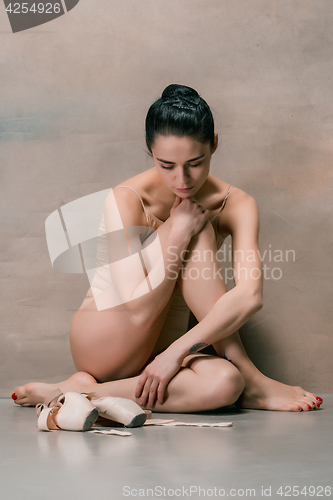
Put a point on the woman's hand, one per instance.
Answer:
(188, 216)
(155, 378)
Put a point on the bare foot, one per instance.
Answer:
(266, 394)
(35, 392)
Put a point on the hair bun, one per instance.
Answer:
(180, 112)
(180, 93)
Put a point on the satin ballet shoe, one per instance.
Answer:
(120, 410)
(70, 412)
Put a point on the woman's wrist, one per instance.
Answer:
(180, 235)
(176, 352)
(187, 344)
(176, 245)
(179, 349)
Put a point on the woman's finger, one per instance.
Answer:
(161, 392)
(176, 202)
(152, 394)
(141, 382)
(145, 393)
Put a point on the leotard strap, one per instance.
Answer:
(225, 200)
(129, 187)
(152, 220)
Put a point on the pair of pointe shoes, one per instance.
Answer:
(73, 411)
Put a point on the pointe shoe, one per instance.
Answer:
(124, 411)
(70, 412)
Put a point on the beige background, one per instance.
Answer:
(74, 95)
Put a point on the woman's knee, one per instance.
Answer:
(205, 237)
(226, 385)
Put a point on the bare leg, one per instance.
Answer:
(203, 383)
(261, 392)
(107, 347)
(201, 294)
(34, 392)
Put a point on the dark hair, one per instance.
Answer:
(182, 112)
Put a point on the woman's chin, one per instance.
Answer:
(184, 194)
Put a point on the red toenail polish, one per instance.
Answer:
(14, 396)
(313, 403)
(318, 399)
(309, 407)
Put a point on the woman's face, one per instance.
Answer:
(182, 162)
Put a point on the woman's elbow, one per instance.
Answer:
(256, 303)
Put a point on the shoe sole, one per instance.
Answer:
(90, 420)
(138, 420)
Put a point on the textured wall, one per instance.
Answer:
(74, 94)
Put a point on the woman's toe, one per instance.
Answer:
(304, 405)
(319, 401)
(313, 400)
(20, 401)
(313, 397)
(19, 396)
(294, 407)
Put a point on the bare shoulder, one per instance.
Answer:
(239, 199)
(128, 204)
(241, 210)
(140, 191)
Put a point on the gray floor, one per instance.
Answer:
(262, 450)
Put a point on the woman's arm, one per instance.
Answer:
(229, 312)
(143, 300)
(238, 305)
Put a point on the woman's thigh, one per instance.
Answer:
(108, 346)
(105, 342)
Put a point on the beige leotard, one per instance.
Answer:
(176, 322)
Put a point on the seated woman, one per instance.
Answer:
(140, 349)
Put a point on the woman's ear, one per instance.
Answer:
(216, 141)
(149, 152)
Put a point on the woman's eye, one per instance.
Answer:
(190, 165)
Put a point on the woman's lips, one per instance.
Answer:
(184, 190)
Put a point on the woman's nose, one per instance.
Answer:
(182, 176)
